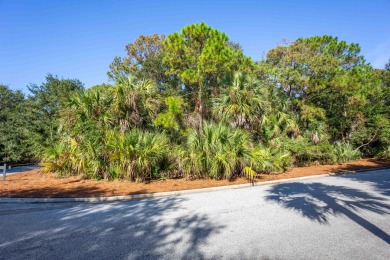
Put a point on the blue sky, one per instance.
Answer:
(79, 39)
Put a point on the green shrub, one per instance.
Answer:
(268, 160)
(86, 157)
(134, 155)
(56, 159)
(216, 151)
(137, 155)
(345, 152)
(387, 153)
(171, 118)
(305, 152)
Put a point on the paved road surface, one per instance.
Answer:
(19, 169)
(344, 217)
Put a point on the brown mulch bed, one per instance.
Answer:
(34, 184)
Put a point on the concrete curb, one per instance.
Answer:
(173, 193)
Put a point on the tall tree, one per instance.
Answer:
(201, 56)
(385, 78)
(144, 60)
(14, 126)
(47, 100)
(322, 72)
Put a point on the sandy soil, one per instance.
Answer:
(35, 184)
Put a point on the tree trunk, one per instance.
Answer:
(200, 111)
(200, 102)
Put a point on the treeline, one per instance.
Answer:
(193, 105)
(29, 124)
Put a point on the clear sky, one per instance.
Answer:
(79, 39)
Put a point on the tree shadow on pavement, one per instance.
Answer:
(318, 201)
(379, 179)
(156, 228)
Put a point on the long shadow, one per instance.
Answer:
(318, 201)
(145, 229)
(379, 179)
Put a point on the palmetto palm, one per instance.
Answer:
(55, 159)
(90, 107)
(136, 154)
(268, 160)
(276, 124)
(243, 102)
(216, 151)
(136, 102)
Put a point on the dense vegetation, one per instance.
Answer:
(193, 105)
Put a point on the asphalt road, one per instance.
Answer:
(340, 217)
(19, 169)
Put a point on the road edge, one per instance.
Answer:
(174, 193)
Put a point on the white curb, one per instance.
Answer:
(170, 193)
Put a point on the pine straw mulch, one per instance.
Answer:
(35, 184)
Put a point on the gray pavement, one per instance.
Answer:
(337, 217)
(19, 169)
